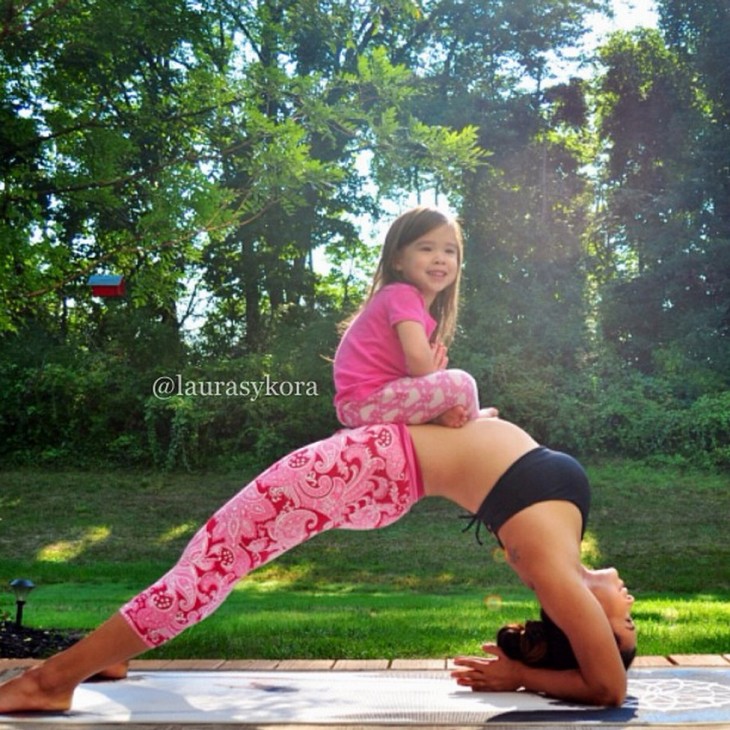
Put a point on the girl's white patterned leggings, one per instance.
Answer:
(359, 480)
(414, 400)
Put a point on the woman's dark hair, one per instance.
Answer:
(543, 644)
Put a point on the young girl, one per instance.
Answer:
(390, 366)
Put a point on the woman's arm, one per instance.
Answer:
(502, 674)
(572, 606)
(592, 683)
(543, 547)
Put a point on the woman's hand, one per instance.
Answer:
(497, 674)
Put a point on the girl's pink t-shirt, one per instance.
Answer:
(370, 354)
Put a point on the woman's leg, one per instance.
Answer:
(358, 479)
(415, 400)
(50, 686)
(361, 479)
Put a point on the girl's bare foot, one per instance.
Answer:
(455, 417)
(26, 693)
(490, 412)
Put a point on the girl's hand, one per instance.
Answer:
(440, 359)
(498, 674)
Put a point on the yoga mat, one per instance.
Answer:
(679, 696)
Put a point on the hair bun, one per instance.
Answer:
(508, 640)
(537, 644)
(524, 642)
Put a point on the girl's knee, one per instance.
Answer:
(462, 378)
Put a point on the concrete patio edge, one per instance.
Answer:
(353, 665)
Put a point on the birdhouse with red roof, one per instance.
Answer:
(107, 285)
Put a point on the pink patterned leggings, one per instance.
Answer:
(414, 400)
(358, 480)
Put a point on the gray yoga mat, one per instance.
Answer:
(678, 696)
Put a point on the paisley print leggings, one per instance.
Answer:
(414, 400)
(359, 480)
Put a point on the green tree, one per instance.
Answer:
(663, 302)
(99, 153)
(525, 209)
(698, 33)
(321, 74)
(177, 144)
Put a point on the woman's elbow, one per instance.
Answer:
(610, 695)
(613, 699)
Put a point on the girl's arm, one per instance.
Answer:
(416, 348)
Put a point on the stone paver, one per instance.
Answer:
(295, 665)
(361, 665)
(252, 665)
(698, 660)
(412, 665)
(652, 661)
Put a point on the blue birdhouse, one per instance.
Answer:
(107, 285)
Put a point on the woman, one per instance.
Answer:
(535, 501)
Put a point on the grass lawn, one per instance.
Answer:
(419, 588)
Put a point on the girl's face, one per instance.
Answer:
(431, 263)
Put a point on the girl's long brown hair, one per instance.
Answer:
(408, 227)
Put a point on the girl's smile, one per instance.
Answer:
(431, 263)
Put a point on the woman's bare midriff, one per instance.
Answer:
(463, 464)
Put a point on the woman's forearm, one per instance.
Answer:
(570, 685)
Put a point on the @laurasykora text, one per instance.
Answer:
(169, 386)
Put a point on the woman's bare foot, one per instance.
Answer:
(27, 693)
(49, 687)
(115, 671)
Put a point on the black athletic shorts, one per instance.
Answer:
(538, 476)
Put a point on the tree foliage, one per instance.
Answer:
(216, 153)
